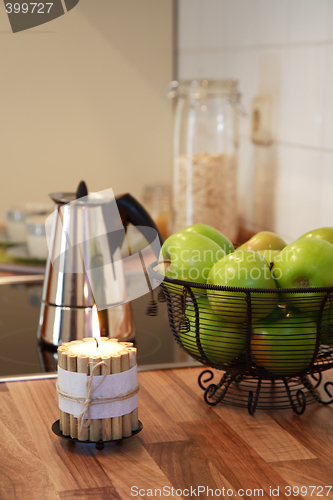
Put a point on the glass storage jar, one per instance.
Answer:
(205, 147)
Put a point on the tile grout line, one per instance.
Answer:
(292, 145)
(254, 47)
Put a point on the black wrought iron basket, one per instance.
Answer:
(272, 344)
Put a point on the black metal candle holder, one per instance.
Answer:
(276, 370)
(99, 444)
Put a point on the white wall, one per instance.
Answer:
(283, 49)
(84, 97)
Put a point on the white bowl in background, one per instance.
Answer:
(16, 217)
(35, 236)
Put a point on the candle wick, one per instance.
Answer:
(95, 339)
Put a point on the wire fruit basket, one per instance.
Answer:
(272, 345)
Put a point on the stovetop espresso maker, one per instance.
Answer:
(86, 261)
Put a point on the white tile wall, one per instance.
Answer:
(271, 29)
(188, 17)
(302, 96)
(283, 49)
(330, 22)
(245, 181)
(326, 193)
(298, 191)
(328, 102)
(308, 20)
(214, 24)
(190, 64)
(240, 16)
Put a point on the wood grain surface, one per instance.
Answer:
(184, 443)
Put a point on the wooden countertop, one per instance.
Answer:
(184, 443)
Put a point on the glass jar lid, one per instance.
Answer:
(202, 89)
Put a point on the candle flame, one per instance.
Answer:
(95, 325)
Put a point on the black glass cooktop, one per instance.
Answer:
(22, 357)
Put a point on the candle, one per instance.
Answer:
(97, 387)
(105, 348)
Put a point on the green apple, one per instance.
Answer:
(221, 341)
(326, 324)
(284, 345)
(326, 329)
(269, 255)
(322, 233)
(213, 234)
(326, 332)
(245, 269)
(306, 263)
(265, 240)
(189, 256)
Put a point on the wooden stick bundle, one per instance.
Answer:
(125, 345)
(126, 419)
(64, 420)
(116, 422)
(83, 367)
(106, 434)
(95, 423)
(134, 414)
(72, 367)
(105, 429)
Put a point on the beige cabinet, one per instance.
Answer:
(84, 97)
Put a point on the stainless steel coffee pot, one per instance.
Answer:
(84, 242)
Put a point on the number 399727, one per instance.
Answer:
(28, 8)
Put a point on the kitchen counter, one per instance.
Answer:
(184, 443)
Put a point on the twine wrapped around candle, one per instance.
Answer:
(88, 400)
